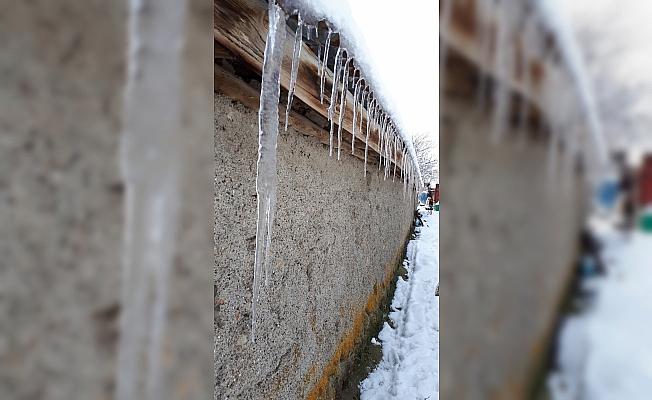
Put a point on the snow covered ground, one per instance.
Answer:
(605, 352)
(409, 368)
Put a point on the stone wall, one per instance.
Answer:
(337, 239)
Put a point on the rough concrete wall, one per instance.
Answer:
(334, 235)
(61, 204)
(507, 242)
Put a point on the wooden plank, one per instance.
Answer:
(240, 26)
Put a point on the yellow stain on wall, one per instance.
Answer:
(323, 388)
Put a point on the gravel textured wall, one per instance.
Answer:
(63, 68)
(336, 234)
(508, 240)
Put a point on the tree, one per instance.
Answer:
(426, 152)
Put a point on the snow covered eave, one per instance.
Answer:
(527, 47)
(240, 28)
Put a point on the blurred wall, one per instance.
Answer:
(508, 230)
(61, 204)
(337, 240)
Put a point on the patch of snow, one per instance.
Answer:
(605, 352)
(409, 368)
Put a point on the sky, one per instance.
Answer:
(403, 42)
(619, 35)
(397, 46)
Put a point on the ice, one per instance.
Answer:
(345, 91)
(267, 141)
(355, 103)
(530, 40)
(324, 65)
(482, 20)
(446, 12)
(296, 59)
(503, 67)
(552, 11)
(332, 105)
(151, 162)
(395, 159)
(366, 140)
(381, 133)
(362, 105)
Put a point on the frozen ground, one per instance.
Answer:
(409, 368)
(605, 352)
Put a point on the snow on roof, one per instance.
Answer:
(382, 39)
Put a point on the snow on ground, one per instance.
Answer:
(409, 368)
(605, 352)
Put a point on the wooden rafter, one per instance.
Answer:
(240, 28)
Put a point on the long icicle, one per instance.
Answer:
(345, 84)
(356, 93)
(151, 160)
(381, 137)
(366, 141)
(324, 65)
(267, 141)
(395, 159)
(362, 105)
(296, 59)
(334, 90)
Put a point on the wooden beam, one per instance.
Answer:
(240, 26)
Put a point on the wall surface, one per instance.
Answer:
(63, 67)
(335, 236)
(508, 239)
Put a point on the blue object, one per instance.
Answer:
(588, 267)
(423, 197)
(608, 194)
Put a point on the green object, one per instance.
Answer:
(645, 222)
(437, 207)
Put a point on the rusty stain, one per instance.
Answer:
(348, 344)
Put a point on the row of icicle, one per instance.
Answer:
(368, 115)
(499, 27)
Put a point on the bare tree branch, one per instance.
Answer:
(426, 157)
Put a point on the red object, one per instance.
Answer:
(434, 194)
(645, 182)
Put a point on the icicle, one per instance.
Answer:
(443, 49)
(334, 89)
(529, 36)
(504, 69)
(324, 65)
(296, 59)
(486, 38)
(387, 153)
(362, 105)
(152, 152)
(366, 140)
(267, 142)
(395, 160)
(381, 134)
(356, 91)
(345, 83)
